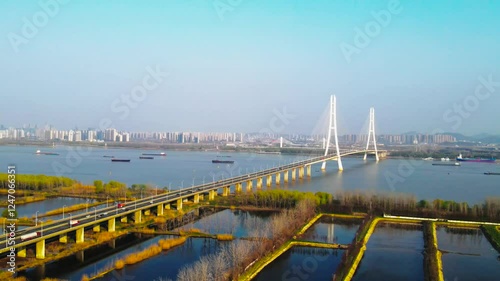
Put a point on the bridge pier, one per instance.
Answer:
(226, 191)
(147, 212)
(238, 188)
(111, 225)
(201, 196)
(179, 204)
(137, 217)
(211, 195)
(63, 238)
(308, 170)
(21, 251)
(96, 228)
(40, 249)
(301, 172)
(196, 198)
(259, 183)
(294, 174)
(80, 235)
(249, 186)
(159, 210)
(167, 206)
(285, 176)
(269, 180)
(278, 178)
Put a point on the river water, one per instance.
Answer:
(467, 255)
(182, 168)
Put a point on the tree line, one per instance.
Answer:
(407, 204)
(36, 182)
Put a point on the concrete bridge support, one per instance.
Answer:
(301, 172)
(167, 206)
(40, 249)
(278, 178)
(137, 216)
(63, 238)
(179, 204)
(96, 228)
(285, 176)
(238, 187)
(269, 180)
(211, 195)
(159, 210)
(294, 174)
(308, 170)
(201, 196)
(147, 212)
(196, 198)
(111, 225)
(80, 235)
(21, 252)
(259, 183)
(226, 191)
(124, 219)
(249, 186)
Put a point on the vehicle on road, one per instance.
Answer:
(30, 236)
(73, 222)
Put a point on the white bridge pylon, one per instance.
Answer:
(332, 126)
(371, 133)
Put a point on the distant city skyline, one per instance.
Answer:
(426, 66)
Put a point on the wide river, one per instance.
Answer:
(183, 168)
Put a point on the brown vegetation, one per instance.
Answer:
(153, 250)
(232, 259)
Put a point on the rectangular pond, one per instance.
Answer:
(236, 222)
(302, 263)
(394, 252)
(467, 255)
(332, 230)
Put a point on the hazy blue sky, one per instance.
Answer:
(231, 63)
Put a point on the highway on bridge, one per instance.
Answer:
(87, 220)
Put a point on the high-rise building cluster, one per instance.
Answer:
(114, 135)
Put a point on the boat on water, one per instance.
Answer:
(222, 161)
(492, 173)
(428, 159)
(223, 156)
(38, 152)
(445, 159)
(108, 156)
(120, 160)
(446, 164)
(155, 154)
(146, 157)
(481, 160)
